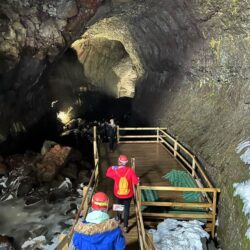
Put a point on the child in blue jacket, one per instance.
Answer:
(98, 232)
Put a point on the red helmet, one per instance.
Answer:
(123, 160)
(100, 201)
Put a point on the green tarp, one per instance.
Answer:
(180, 178)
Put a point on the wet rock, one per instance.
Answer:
(72, 209)
(37, 230)
(32, 200)
(204, 243)
(47, 145)
(61, 192)
(57, 194)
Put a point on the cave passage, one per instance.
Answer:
(107, 66)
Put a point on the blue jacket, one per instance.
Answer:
(104, 236)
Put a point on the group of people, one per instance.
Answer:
(98, 231)
(108, 133)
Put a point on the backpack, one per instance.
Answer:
(123, 188)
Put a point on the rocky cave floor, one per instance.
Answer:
(40, 191)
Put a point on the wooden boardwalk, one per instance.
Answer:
(152, 162)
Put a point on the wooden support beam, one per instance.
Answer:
(173, 215)
(176, 204)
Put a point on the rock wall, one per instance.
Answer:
(33, 35)
(206, 103)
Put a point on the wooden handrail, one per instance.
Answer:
(140, 128)
(189, 154)
(161, 136)
(179, 189)
(138, 136)
(209, 213)
(186, 158)
(84, 207)
(139, 219)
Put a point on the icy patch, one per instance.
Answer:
(54, 244)
(10, 197)
(245, 156)
(66, 184)
(3, 182)
(179, 235)
(243, 190)
(35, 243)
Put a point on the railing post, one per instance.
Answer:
(95, 153)
(84, 194)
(214, 212)
(193, 166)
(175, 147)
(118, 134)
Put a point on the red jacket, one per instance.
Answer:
(121, 171)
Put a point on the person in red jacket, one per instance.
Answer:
(124, 178)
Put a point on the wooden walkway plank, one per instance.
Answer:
(152, 162)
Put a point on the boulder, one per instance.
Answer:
(46, 171)
(52, 161)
